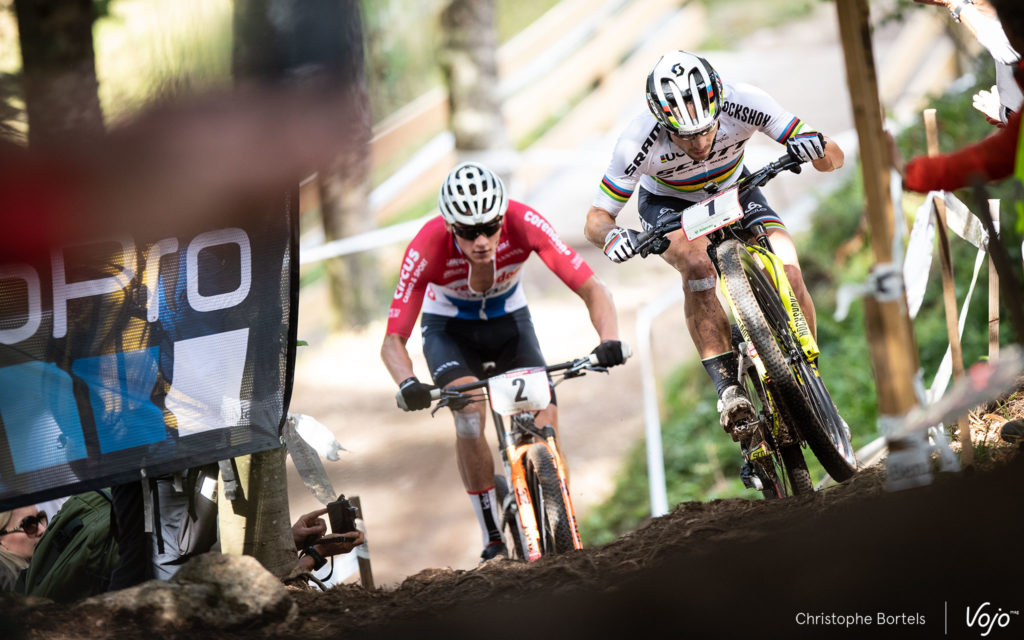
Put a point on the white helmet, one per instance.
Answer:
(679, 81)
(472, 195)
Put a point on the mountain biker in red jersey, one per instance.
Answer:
(690, 145)
(464, 269)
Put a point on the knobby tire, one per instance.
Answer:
(762, 313)
(546, 493)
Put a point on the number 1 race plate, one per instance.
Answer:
(519, 390)
(711, 214)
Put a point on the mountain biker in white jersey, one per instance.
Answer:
(691, 145)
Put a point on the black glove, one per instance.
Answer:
(610, 353)
(413, 395)
(657, 247)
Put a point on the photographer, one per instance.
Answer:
(311, 527)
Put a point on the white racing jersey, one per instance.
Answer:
(646, 155)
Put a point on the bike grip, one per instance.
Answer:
(435, 394)
(626, 351)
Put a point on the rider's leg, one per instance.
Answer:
(785, 249)
(709, 327)
(476, 466)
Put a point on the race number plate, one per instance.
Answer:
(713, 213)
(519, 390)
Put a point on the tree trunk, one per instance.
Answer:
(263, 530)
(59, 72)
(333, 50)
(470, 64)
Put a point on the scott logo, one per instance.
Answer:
(982, 619)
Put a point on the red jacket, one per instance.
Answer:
(991, 159)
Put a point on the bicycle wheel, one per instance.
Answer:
(794, 379)
(546, 493)
(509, 522)
(796, 470)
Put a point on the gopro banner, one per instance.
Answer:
(122, 358)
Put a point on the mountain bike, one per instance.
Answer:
(777, 352)
(536, 509)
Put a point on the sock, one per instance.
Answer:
(722, 370)
(485, 505)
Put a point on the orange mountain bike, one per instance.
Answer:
(537, 514)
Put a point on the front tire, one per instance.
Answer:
(546, 494)
(794, 379)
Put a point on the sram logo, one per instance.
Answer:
(984, 619)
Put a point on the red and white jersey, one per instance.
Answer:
(435, 273)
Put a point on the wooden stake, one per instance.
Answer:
(365, 572)
(949, 290)
(993, 293)
(890, 332)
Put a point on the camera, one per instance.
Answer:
(342, 515)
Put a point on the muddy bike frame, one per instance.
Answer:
(515, 397)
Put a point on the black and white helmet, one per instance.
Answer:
(681, 81)
(472, 195)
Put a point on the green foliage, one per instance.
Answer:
(835, 251)
(149, 50)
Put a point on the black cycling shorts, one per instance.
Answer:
(755, 208)
(457, 347)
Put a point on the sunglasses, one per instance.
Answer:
(471, 233)
(29, 524)
(694, 136)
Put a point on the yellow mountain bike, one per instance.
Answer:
(778, 354)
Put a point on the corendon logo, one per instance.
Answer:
(542, 224)
(985, 620)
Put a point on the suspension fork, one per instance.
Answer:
(512, 455)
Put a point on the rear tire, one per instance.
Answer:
(794, 380)
(546, 493)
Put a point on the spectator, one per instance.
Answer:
(991, 159)
(308, 532)
(979, 17)
(20, 531)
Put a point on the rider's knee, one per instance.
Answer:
(467, 425)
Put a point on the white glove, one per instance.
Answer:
(620, 244)
(987, 102)
(806, 147)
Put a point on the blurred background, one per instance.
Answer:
(539, 90)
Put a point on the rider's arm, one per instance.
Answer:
(598, 298)
(833, 159)
(396, 357)
(599, 223)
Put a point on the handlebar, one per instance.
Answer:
(674, 221)
(572, 369)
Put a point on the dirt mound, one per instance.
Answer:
(850, 561)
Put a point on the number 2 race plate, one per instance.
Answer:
(519, 390)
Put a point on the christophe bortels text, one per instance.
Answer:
(848, 620)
